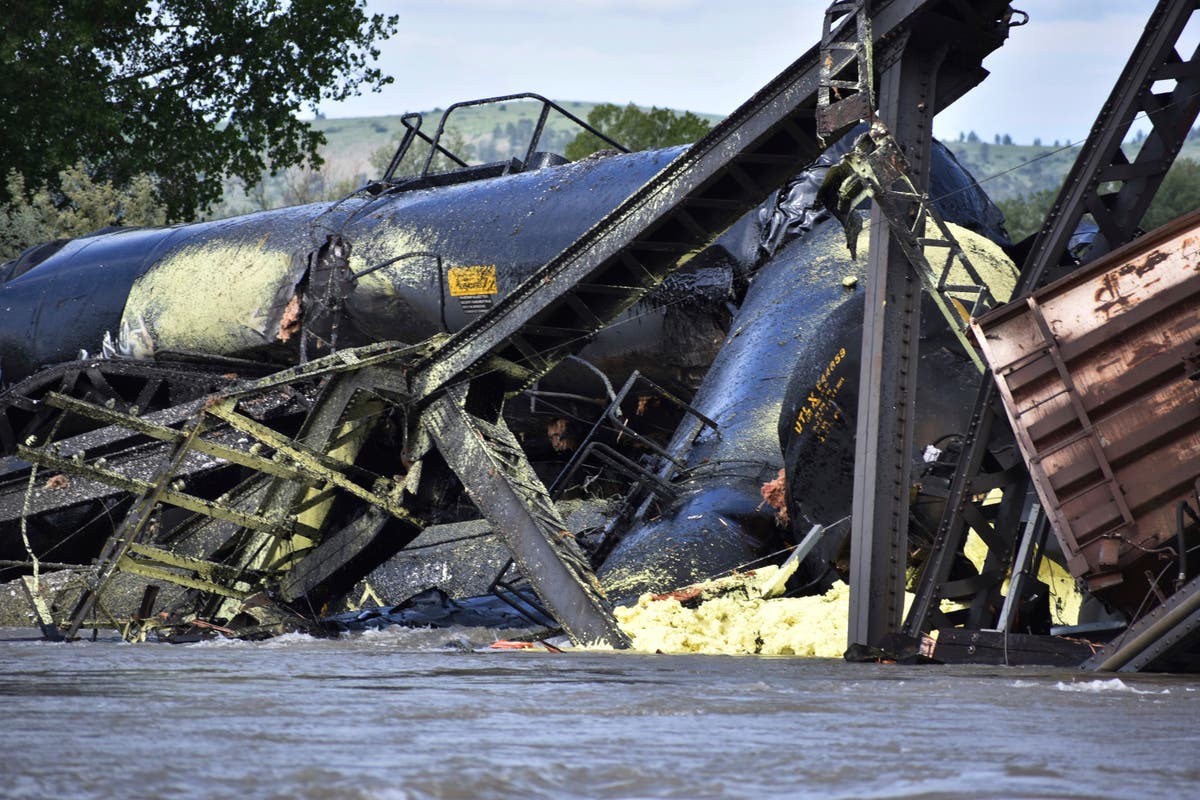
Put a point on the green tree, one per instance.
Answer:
(80, 206)
(1023, 215)
(637, 129)
(414, 158)
(187, 91)
(309, 184)
(1178, 194)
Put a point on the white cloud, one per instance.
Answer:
(1050, 79)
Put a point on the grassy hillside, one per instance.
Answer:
(1008, 171)
(487, 129)
(356, 146)
(1004, 170)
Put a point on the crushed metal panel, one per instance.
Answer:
(1097, 373)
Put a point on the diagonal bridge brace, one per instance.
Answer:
(500, 481)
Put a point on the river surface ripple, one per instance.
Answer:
(422, 714)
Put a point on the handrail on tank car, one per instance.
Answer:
(412, 132)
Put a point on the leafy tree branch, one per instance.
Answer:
(190, 92)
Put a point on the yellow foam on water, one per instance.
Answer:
(731, 616)
(738, 621)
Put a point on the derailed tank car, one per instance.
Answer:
(786, 380)
(402, 260)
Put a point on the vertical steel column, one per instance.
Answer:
(891, 332)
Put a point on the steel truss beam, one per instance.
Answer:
(493, 468)
(1155, 637)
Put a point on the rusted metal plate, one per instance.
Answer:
(1099, 377)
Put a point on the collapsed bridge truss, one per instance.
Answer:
(283, 536)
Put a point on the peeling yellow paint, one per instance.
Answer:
(383, 301)
(214, 297)
(1065, 597)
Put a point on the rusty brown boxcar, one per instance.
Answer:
(1100, 375)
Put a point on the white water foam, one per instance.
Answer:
(1099, 686)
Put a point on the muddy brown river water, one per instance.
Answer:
(425, 714)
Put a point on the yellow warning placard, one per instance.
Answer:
(468, 281)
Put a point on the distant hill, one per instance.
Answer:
(493, 131)
(490, 133)
(497, 132)
(1007, 171)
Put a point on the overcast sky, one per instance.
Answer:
(1047, 81)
